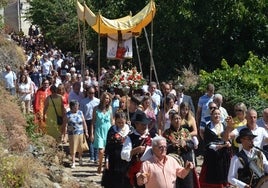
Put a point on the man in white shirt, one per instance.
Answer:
(248, 165)
(261, 135)
(57, 62)
(156, 98)
(218, 100)
(86, 106)
(263, 122)
(47, 66)
(10, 80)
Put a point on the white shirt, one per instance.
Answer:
(236, 164)
(25, 88)
(156, 99)
(127, 147)
(57, 63)
(9, 78)
(260, 133)
(46, 68)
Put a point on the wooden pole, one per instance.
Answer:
(138, 54)
(151, 56)
(99, 54)
(83, 49)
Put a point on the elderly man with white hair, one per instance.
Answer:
(161, 170)
(218, 99)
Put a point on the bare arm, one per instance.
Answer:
(92, 124)
(198, 117)
(84, 125)
(160, 123)
(194, 132)
(45, 107)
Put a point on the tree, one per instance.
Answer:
(57, 20)
(246, 83)
(185, 32)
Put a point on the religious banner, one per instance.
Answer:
(119, 49)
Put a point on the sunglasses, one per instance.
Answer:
(213, 107)
(238, 110)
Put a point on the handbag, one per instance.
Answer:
(84, 145)
(59, 118)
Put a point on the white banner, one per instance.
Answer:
(112, 45)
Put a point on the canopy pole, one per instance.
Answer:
(151, 56)
(80, 40)
(83, 49)
(138, 53)
(99, 55)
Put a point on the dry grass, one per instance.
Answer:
(10, 53)
(17, 171)
(19, 168)
(188, 77)
(12, 123)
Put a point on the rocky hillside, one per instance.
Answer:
(27, 159)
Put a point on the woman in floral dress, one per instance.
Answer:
(180, 147)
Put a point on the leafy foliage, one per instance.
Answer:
(246, 83)
(13, 172)
(184, 32)
(58, 22)
(31, 128)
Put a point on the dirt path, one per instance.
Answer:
(87, 173)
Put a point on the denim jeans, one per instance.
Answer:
(93, 152)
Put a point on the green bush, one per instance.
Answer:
(31, 127)
(246, 83)
(13, 172)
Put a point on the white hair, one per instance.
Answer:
(157, 139)
(217, 96)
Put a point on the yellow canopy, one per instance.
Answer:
(125, 24)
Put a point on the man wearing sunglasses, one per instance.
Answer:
(161, 170)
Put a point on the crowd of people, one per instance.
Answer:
(142, 140)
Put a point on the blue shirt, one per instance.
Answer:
(87, 105)
(203, 103)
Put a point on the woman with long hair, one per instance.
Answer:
(24, 91)
(163, 116)
(53, 108)
(101, 123)
(188, 119)
(149, 111)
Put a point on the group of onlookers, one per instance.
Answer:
(148, 139)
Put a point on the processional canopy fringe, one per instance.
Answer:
(128, 24)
